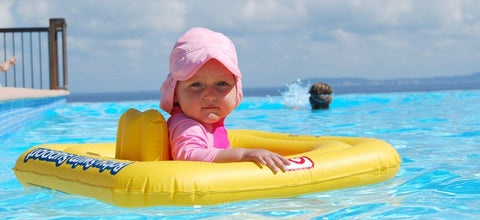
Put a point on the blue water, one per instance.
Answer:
(437, 135)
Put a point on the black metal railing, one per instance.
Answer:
(37, 50)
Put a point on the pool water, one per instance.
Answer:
(437, 135)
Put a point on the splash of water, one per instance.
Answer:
(296, 95)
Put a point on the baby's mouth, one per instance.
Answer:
(210, 107)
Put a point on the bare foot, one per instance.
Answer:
(5, 66)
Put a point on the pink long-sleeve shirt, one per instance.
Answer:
(192, 140)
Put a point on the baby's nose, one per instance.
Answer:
(210, 94)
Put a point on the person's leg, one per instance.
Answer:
(5, 66)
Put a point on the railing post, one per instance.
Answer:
(64, 53)
(56, 24)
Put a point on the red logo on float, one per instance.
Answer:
(300, 163)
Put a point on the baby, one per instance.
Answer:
(202, 88)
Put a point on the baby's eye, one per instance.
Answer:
(196, 85)
(223, 85)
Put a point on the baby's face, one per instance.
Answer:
(209, 95)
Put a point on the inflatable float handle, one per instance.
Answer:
(142, 136)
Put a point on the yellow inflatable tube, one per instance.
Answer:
(148, 178)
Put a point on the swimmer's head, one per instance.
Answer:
(321, 95)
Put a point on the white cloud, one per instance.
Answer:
(166, 16)
(33, 13)
(274, 15)
(5, 15)
(381, 12)
(344, 36)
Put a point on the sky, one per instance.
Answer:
(121, 45)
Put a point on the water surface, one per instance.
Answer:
(437, 135)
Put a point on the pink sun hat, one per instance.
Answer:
(190, 52)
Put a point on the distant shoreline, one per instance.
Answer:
(262, 92)
(340, 86)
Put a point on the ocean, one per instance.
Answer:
(279, 90)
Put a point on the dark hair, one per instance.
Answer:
(320, 96)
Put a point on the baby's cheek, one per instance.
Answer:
(232, 100)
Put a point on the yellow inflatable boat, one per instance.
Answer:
(136, 171)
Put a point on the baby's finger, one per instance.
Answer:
(282, 163)
(261, 160)
(271, 164)
(284, 160)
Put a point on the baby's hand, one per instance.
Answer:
(270, 159)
